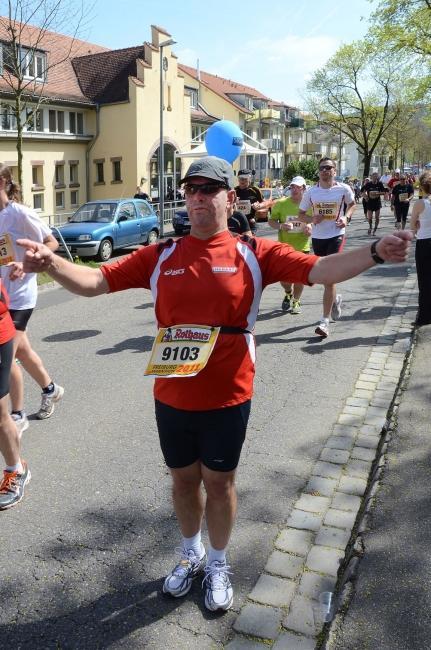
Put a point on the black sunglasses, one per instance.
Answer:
(205, 188)
(326, 168)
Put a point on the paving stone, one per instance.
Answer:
(349, 502)
(370, 430)
(324, 560)
(312, 584)
(241, 643)
(378, 401)
(340, 442)
(320, 486)
(347, 418)
(396, 366)
(352, 485)
(327, 470)
(333, 537)
(289, 641)
(372, 442)
(284, 564)
(363, 392)
(340, 519)
(387, 385)
(363, 453)
(377, 410)
(274, 591)
(377, 365)
(392, 372)
(354, 410)
(304, 520)
(368, 370)
(358, 468)
(357, 401)
(338, 456)
(365, 385)
(258, 620)
(377, 420)
(300, 617)
(345, 431)
(311, 503)
(373, 379)
(295, 541)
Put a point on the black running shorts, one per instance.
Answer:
(20, 318)
(6, 358)
(324, 247)
(214, 437)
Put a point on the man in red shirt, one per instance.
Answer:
(206, 289)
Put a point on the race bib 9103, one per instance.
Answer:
(7, 254)
(181, 350)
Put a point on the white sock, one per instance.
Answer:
(215, 555)
(325, 319)
(15, 468)
(194, 544)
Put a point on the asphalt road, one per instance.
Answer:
(83, 557)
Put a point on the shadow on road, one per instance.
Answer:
(74, 335)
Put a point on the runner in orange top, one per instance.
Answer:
(207, 286)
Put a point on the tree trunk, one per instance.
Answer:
(367, 164)
(19, 130)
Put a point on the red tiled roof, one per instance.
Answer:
(61, 83)
(104, 77)
(201, 116)
(224, 87)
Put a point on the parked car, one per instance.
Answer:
(99, 227)
(181, 222)
(271, 194)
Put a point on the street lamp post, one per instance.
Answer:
(163, 66)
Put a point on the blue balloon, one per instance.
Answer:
(224, 139)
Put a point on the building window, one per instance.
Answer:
(59, 199)
(100, 172)
(33, 64)
(37, 175)
(38, 202)
(73, 172)
(59, 174)
(76, 123)
(34, 120)
(116, 171)
(8, 119)
(197, 133)
(56, 121)
(74, 198)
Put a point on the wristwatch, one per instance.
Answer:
(374, 255)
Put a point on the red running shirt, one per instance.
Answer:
(217, 281)
(7, 328)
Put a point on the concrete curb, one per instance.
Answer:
(320, 548)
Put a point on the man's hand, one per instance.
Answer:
(16, 271)
(255, 205)
(395, 248)
(286, 226)
(37, 258)
(307, 228)
(341, 222)
(317, 218)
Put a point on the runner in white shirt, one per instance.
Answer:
(17, 221)
(326, 200)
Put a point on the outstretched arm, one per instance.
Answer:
(82, 280)
(343, 266)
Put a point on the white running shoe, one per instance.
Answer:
(21, 421)
(48, 402)
(179, 581)
(323, 328)
(217, 586)
(336, 307)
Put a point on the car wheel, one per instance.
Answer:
(105, 250)
(153, 236)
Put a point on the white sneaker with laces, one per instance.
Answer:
(48, 402)
(323, 328)
(336, 307)
(217, 586)
(179, 581)
(21, 421)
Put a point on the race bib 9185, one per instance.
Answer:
(181, 350)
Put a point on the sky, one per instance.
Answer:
(274, 47)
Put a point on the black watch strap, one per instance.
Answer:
(374, 255)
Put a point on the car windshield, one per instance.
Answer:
(95, 212)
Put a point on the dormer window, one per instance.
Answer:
(193, 93)
(33, 64)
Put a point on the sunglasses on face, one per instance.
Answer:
(205, 188)
(325, 168)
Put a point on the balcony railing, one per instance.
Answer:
(296, 123)
(273, 144)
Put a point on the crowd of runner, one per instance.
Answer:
(202, 393)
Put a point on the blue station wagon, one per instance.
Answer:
(100, 227)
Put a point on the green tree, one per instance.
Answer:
(306, 168)
(404, 26)
(357, 94)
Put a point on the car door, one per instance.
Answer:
(146, 219)
(127, 225)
